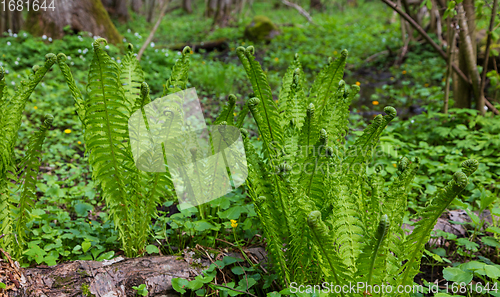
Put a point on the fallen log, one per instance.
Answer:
(220, 44)
(113, 278)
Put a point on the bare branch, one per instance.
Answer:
(152, 33)
(301, 10)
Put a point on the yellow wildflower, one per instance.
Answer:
(335, 52)
(375, 102)
(358, 83)
(234, 223)
(243, 43)
(67, 131)
(404, 72)
(426, 85)
(392, 78)
(394, 164)
(203, 62)
(79, 142)
(276, 59)
(234, 113)
(35, 107)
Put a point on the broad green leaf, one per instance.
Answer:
(455, 274)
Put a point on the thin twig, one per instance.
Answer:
(425, 36)
(225, 241)
(452, 36)
(152, 33)
(469, 56)
(301, 10)
(431, 42)
(488, 44)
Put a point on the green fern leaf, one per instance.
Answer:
(269, 127)
(179, 78)
(369, 262)
(420, 236)
(131, 76)
(334, 268)
(327, 82)
(227, 114)
(30, 167)
(106, 134)
(75, 92)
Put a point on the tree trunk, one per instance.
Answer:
(187, 6)
(316, 4)
(211, 7)
(151, 10)
(117, 9)
(462, 91)
(136, 5)
(10, 20)
(81, 15)
(223, 13)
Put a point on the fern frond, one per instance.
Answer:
(300, 248)
(291, 100)
(361, 150)
(30, 167)
(143, 99)
(3, 98)
(274, 241)
(75, 92)
(345, 220)
(240, 118)
(314, 171)
(131, 76)
(11, 121)
(179, 78)
(227, 114)
(327, 81)
(270, 127)
(258, 183)
(309, 133)
(421, 233)
(369, 263)
(106, 134)
(334, 268)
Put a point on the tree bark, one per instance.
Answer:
(102, 279)
(81, 15)
(187, 5)
(136, 5)
(10, 20)
(316, 5)
(467, 59)
(117, 9)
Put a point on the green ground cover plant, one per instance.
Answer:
(63, 209)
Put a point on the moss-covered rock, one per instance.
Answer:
(261, 29)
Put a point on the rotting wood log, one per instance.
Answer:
(114, 278)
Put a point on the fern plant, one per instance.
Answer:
(14, 214)
(115, 92)
(324, 217)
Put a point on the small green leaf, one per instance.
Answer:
(152, 249)
(471, 246)
(237, 270)
(86, 246)
(455, 274)
(106, 256)
(179, 284)
(491, 241)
